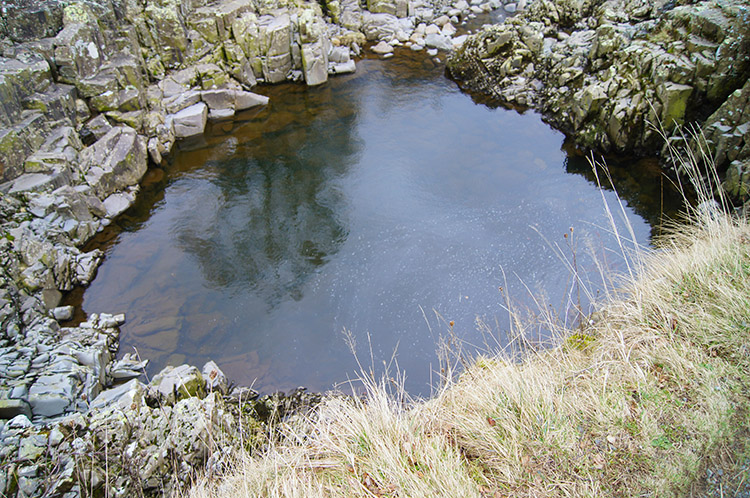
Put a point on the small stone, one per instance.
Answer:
(382, 48)
(215, 378)
(19, 422)
(63, 313)
(56, 437)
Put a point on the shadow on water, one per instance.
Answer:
(385, 202)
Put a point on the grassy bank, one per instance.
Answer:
(639, 402)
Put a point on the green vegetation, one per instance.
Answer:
(638, 402)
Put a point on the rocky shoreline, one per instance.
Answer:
(605, 71)
(92, 95)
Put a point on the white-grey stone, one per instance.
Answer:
(438, 41)
(459, 40)
(182, 101)
(343, 68)
(123, 396)
(48, 404)
(339, 55)
(315, 62)
(215, 379)
(246, 100)
(221, 103)
(19, 422)
(86, 265)
(63, 313)
(116, 204)
(191, 121)
(382, 48)
(116, 161)
(174, 383)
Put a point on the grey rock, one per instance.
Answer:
(63, 313)
(182, 101)
(20, 421)
(246, 100)
(344, 67)
(315, 62)
(436, 40)
(55, 437)
(115, 161)
(49, 404)
(221, 103)
(382, 48)
(86, 265)
(339, 55)
(118, 203)
(191, 121)
(215, 379)
(122, 396)
(31, 448)
(10, 408)
(175, 383)
(128, 367)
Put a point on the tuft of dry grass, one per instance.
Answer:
(637, 401)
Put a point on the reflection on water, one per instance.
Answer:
(385, 203)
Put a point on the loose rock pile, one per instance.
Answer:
(605, 71)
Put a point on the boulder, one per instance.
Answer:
(115, 161)
(674, 98)
(190, 121)
(25, 20)
(397, 8)
(10, 408)
(221, 103)
(78, 52)
(275, 33)
(343, 68)
(118, 203)
(181, 101)
(175, 383)
(439, 41)
(382, 26)
(315, 62)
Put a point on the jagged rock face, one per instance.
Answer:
(605, 71)
(26, 20)
(727, 133)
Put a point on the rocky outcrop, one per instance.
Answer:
(606, 71)
(727, 134)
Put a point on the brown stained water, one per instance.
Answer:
(386, 203)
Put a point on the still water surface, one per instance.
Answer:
(386, 203)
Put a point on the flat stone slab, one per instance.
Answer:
(246, 100)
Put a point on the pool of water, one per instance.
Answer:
(385, 203)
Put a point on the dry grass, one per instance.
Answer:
(636, 403)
